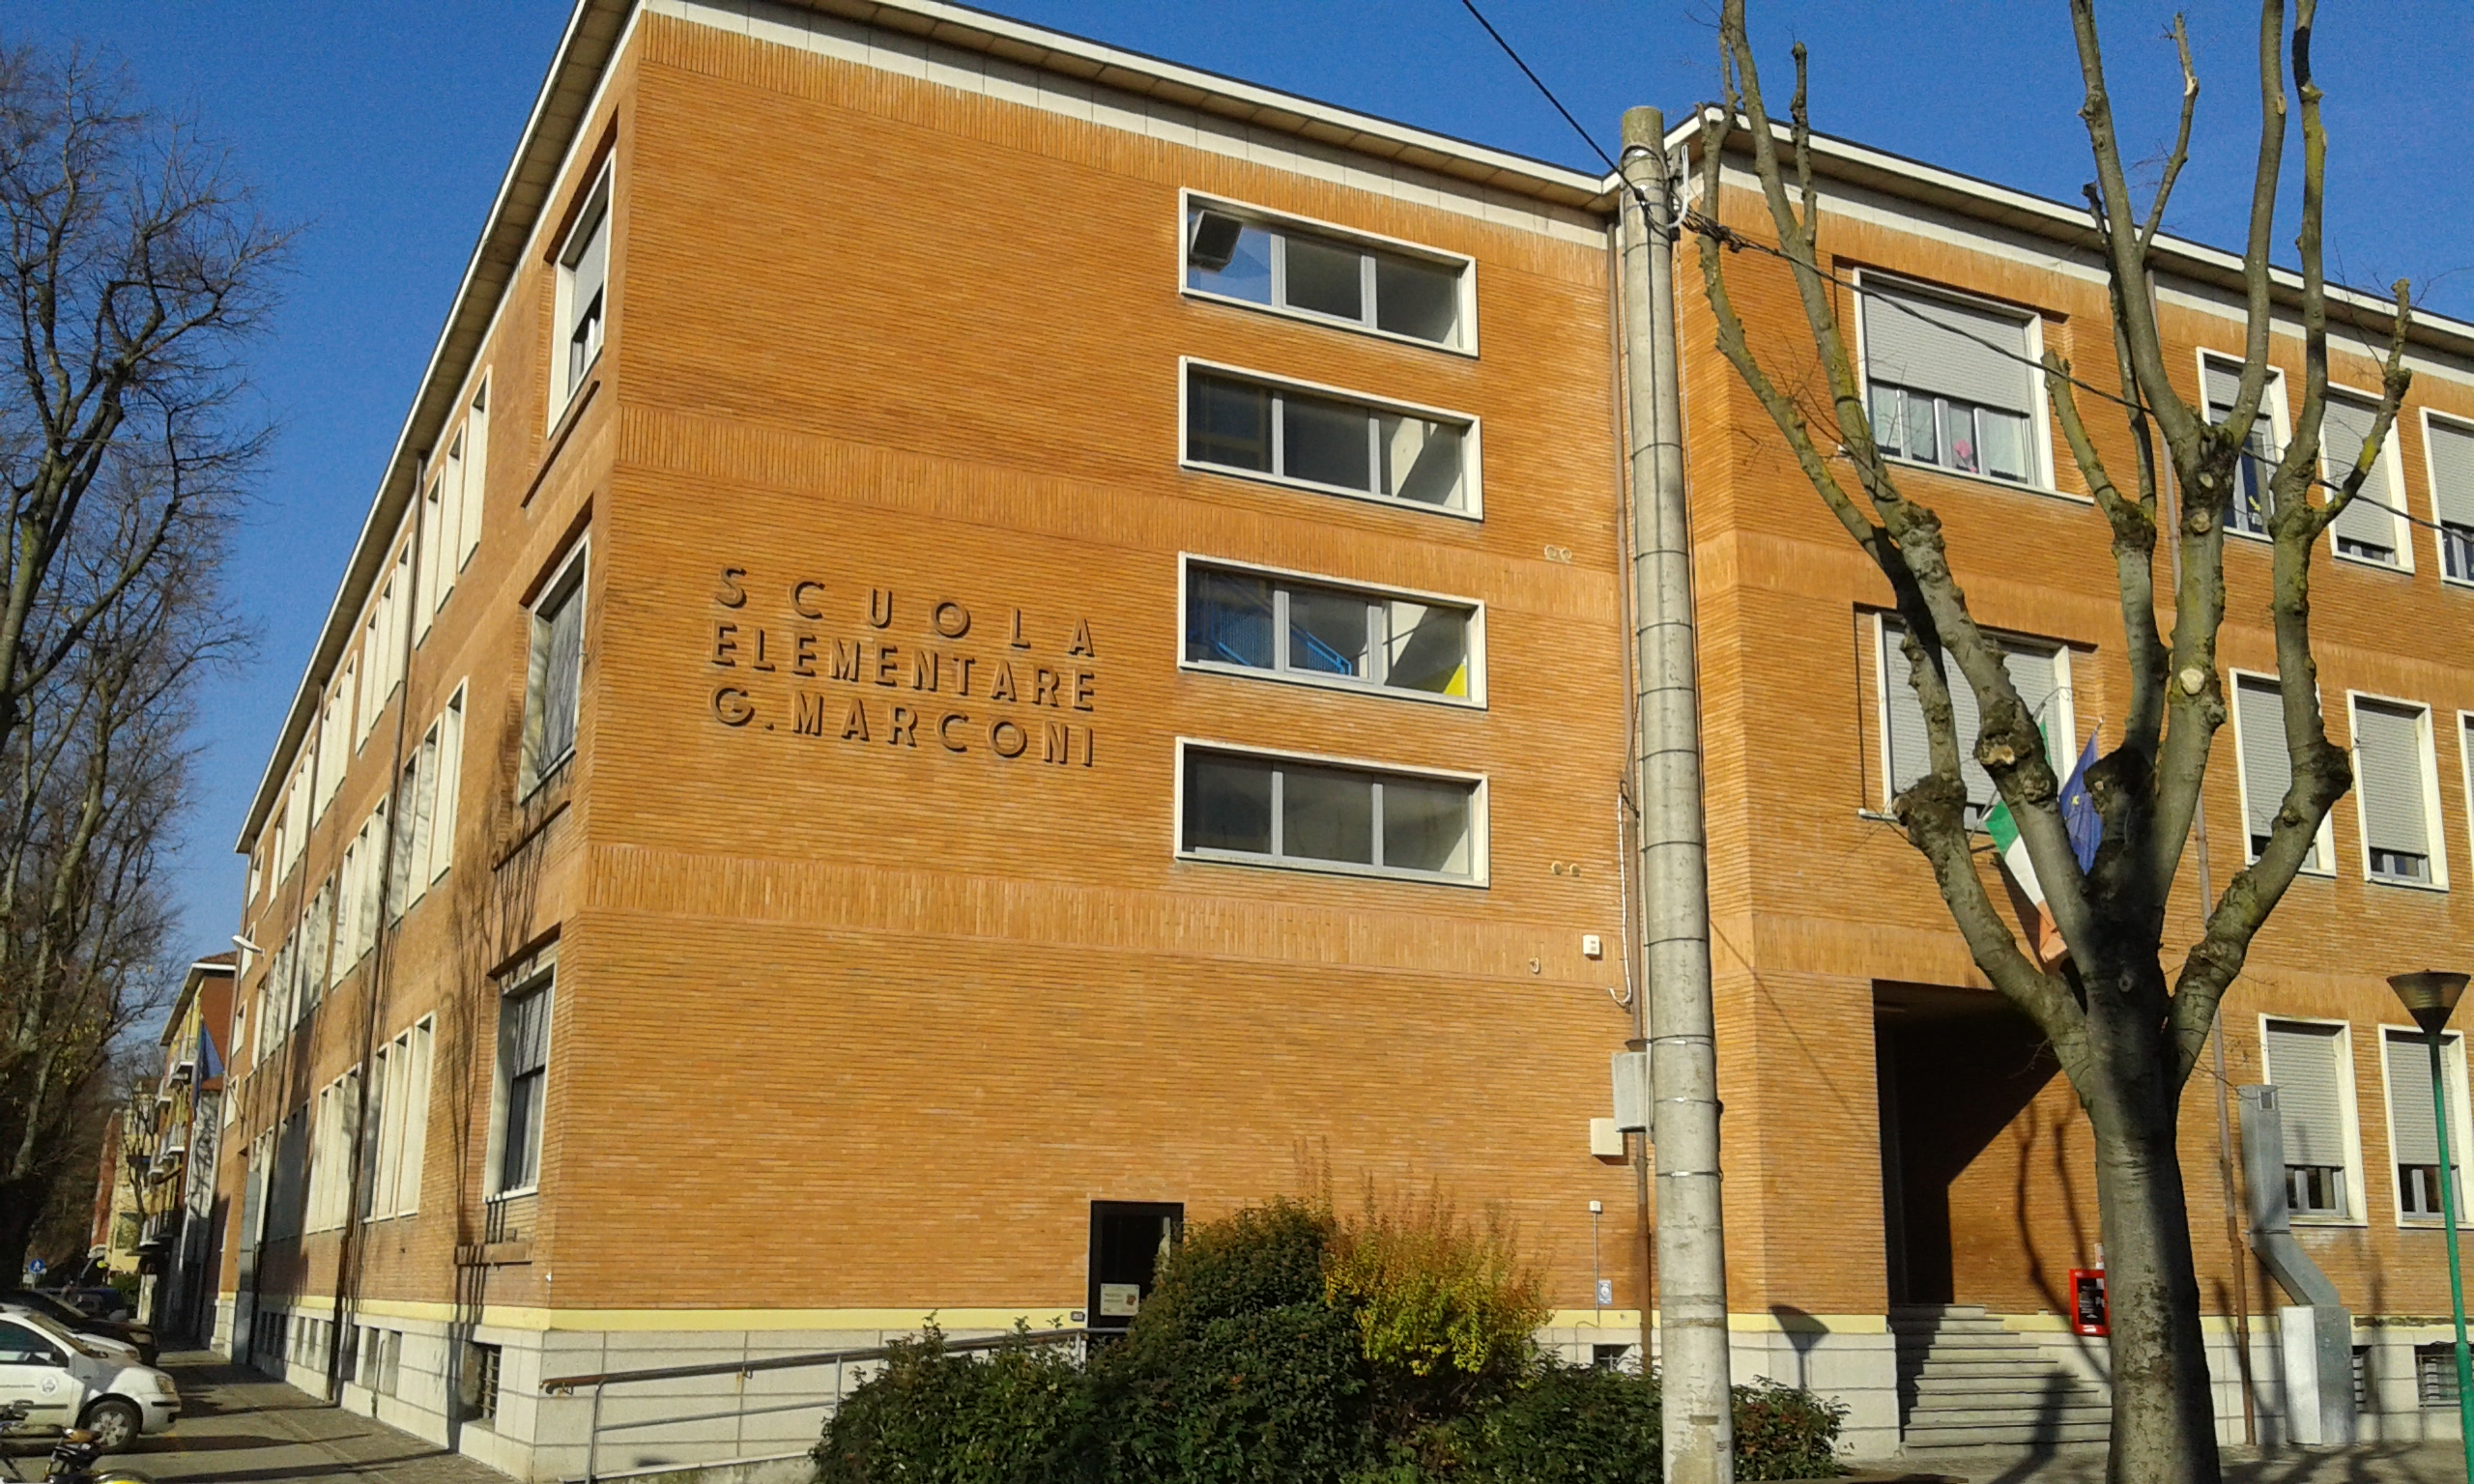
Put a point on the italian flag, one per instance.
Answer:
(2048, 946)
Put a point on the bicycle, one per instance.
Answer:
(72, 1458)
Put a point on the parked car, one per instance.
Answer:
(119, 1350)
(103, 1302)
(66, 1383)
(67, 1315)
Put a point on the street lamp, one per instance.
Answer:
(2428, 997)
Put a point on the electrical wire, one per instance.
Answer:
(1735, 241)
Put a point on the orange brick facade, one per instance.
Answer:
(874, 970)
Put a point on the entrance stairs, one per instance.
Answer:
(1966, 1383)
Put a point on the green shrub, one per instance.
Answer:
(1785, 1433)
(1444, 1311)
(1022, 1415)
(1236, 1371)
(1566, 1424)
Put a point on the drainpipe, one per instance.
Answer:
(1675, 864)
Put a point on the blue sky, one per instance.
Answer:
(384, 128)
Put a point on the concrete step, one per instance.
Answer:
(1997, 1436)
(1984, 1412)
(2029, 1368)
(2045, 1382)
(1975, 1339)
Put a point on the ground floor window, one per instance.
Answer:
(2435, 1374)
(477, 1388)
(1129, 1243)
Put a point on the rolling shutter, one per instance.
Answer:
(2368, 519)
(1936, 345)
(2452, 471)
(2302, 1062)
(2413, 1134)
(2223, 383)
(2033, 674)
(2388, 761)
(2267, 770)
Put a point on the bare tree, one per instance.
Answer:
(2127, 1028)
(133, 274)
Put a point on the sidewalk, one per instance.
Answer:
(2369, 1462)
(238, 1426)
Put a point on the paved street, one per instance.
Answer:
(238, 1426)
(2400, 1463)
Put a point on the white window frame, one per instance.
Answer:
(598, 208)
(539, 973)
(2430, 488)
(2043, 480)
(473, 478)
(2460, 1126)
(2349, 1108)
(1475, 701)
(1472, 447)
(403, 1134)
(1189, 199)
(2432, 812)
(2271, 406)
(2327, 839)
(533, 772)
(2065, 702)
(2392, 453)
(1479, 863)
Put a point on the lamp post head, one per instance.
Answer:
(2428, 995)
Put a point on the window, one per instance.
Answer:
(1241, 619)
(317, 941)
(427, 592)
(584, 281)
(1246, 806)
(333, 1136)
(2367, 529)
(399, 1105)
(21, 1346)
(335, 742)
(1950, 382)
(382, 650)
(471, 477)
(524, 1069)
(2246, 511)
(2435, 1375)
(2394, 792)
(2448, 446)
(1131, 1242)
(2039, 673)
(2413, 1132)
(425, 796)
(554, 674)
(2265, 767)
(2310, 1064)
(477, 1386)
(1234, 252)
(1330, 440)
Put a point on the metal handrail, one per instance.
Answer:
(599, 1380)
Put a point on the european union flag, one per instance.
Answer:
(2078, 812)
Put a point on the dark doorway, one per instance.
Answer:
(1954, 1067)
(1129, 1242)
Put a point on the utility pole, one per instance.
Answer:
(1675, 852)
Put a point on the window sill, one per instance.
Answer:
(1324, 321)
(1329, 869)
(2328, 1223)
(2316, 872)
(2014, 486)
(1342, 686)
(2401, 566)
(1474, 514)
(2440, 888)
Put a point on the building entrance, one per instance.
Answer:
(1958, 1070)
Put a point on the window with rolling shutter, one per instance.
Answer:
(2267, 767)
(1951, 381)
(2367, 527)
(2246, 510)
(2039, 674)
(2394, 790)
(2450, 446)
(2413, 1132)
(2306, 1063)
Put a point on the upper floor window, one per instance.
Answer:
(1235, 252)
(2039, 673)
(1951, 381)
(2448, 445)
(523, 1083)
(2367, 529)
(1250, 807)
(554, 674)
(2246, 509)
(2265, 767)
(399, 1112)
(2310, 1064)
(1326, 633)
(584, 282)
(1330, 440)
(2395, 791)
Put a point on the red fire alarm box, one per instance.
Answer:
(2088, 1312)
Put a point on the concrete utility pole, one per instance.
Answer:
(1675, 855)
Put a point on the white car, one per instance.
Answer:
(118, 1350)
(67, 1381)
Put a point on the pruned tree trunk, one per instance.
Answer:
(2126, 1026)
